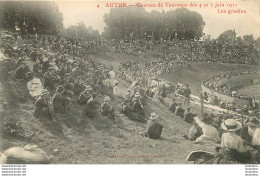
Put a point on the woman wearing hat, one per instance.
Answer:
(209, 133)
(251, 134)
(231, 143)
(250, 129)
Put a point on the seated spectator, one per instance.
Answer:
(127, 96)
(209, 133)
(50, 79)
(85, 95)
(41, 106)
(60, 101)
(154, 128)
(137, 106)
(231, 143)
(106, 109)
(194, 132)
(92, 107)
(250, 132)
(79, 86)
(22, 71)
(179, 111)
(188, 116)
(116, 90)
(37, 68)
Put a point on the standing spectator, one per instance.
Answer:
(186, 93)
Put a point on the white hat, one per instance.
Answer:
(137, 95)
(107, 98)
(88, 88)
(231, 125)
(153, 116)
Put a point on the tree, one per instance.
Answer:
(227, 36)
(135, 22)
(248, 39)
(80, 31)
(31, 17)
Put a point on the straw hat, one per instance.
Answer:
(231, 125)
(107, 98)
(153, 116)
(88, 88)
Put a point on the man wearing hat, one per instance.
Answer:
(50, 78)
(37, 68)
(179, 111)
(231, 143)
(137, 106)
(106, 109)
(61, 102)
(78, 86)
(21, 71)
(154, 128)
(91, 109)
(188, 116)
(41, 106)
(45, 64)
(85, 95)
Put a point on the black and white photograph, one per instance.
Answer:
(130, 82)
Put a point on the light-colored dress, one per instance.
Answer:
(210, 133)
(232, 141)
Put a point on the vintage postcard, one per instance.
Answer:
(130, 82)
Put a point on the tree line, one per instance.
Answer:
(129, 23)
(135, 22)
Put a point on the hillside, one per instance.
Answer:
(73, 139)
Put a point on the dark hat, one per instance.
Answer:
(59, 88)
(207, 120)
(252, 121)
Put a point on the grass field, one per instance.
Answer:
(74, 139)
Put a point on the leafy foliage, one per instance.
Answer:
(80, 31)
(135, 22)
(31, 17)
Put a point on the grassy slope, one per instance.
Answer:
(93, 141)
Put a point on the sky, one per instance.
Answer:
(215, 23)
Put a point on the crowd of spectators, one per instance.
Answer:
(199, 51)
(69, 76)
(226, 89)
